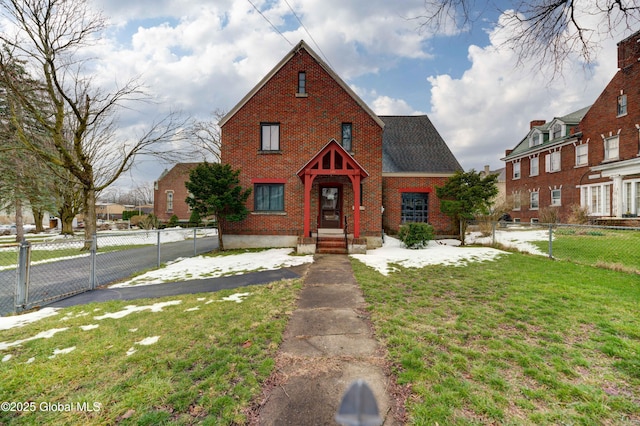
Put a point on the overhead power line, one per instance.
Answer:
(272, 26)
(309, 34)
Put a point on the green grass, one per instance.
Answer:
(523, 340)
(208, 364)
(614, 249)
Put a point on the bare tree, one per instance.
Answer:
(80, 120)
(545, 31)
(206, 136)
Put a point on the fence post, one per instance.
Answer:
(493, 233)
(195, 248)
(22, 280)
(158, 248)
(94, 255)
(550, 241)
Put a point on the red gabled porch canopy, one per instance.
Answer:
(332, 160)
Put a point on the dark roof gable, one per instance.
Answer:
(412, 144)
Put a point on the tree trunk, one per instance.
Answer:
(38, 217)
(19, 221)
(66, 217)
(89, 216)
(220, 243)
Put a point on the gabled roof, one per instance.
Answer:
(282, 63)
(571, 119)
(412, 144)
(332, 159)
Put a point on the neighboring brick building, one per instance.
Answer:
(588, 158)
(170, 193)
(319, 159)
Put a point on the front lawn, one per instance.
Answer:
(521, 340)
(178, 360)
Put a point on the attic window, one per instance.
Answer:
(535, 139)
(557, 131)
(302, 84)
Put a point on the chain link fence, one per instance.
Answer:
(33, 273)
(611, 247)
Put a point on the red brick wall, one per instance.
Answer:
(174, 181)
(393, 187)
(566, 180)
(307, 124)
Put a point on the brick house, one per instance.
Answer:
(588, 158)
(170, 193)
(319, 160)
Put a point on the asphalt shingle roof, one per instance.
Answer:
(412, 144)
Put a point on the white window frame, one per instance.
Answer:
(612, 148)
(534, 161)
(516, 170)
(534, 200)
(631, 197)
(556, 128)
(596, 198)
(556, 197)
(552, 162)
(582, 153)
(535, 139)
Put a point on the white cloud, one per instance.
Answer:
(488, 109)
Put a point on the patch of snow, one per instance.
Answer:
(42, 335)
(148, 341)
(57, 352)
(442, 252)
(129, 309)
(30, 360)
(7, 358)
(202, 267)
(519, 239)
(237, 297)
(89, 327)
(197, 308)
(7, 323)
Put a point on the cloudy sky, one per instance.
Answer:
(198, 56)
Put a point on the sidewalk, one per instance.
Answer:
(327, 345)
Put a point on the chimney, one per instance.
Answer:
(629, 51)
(487, 170)
(536, 123)
(507, 152)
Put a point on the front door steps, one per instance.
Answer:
(331, 241)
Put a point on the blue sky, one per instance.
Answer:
(201, 55)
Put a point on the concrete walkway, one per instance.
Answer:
(327, 345)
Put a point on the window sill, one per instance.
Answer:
(622, 115)
(302, 95)
(269, 152)
(269, 213)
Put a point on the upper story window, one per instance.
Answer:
(302, 83)
(534, 166)
(556, 131)
(622, 105)
(269, 136)
(582, 155)
(536, 139)
(611, 151)
(346, 136)
(516, 170)
(552, 162)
